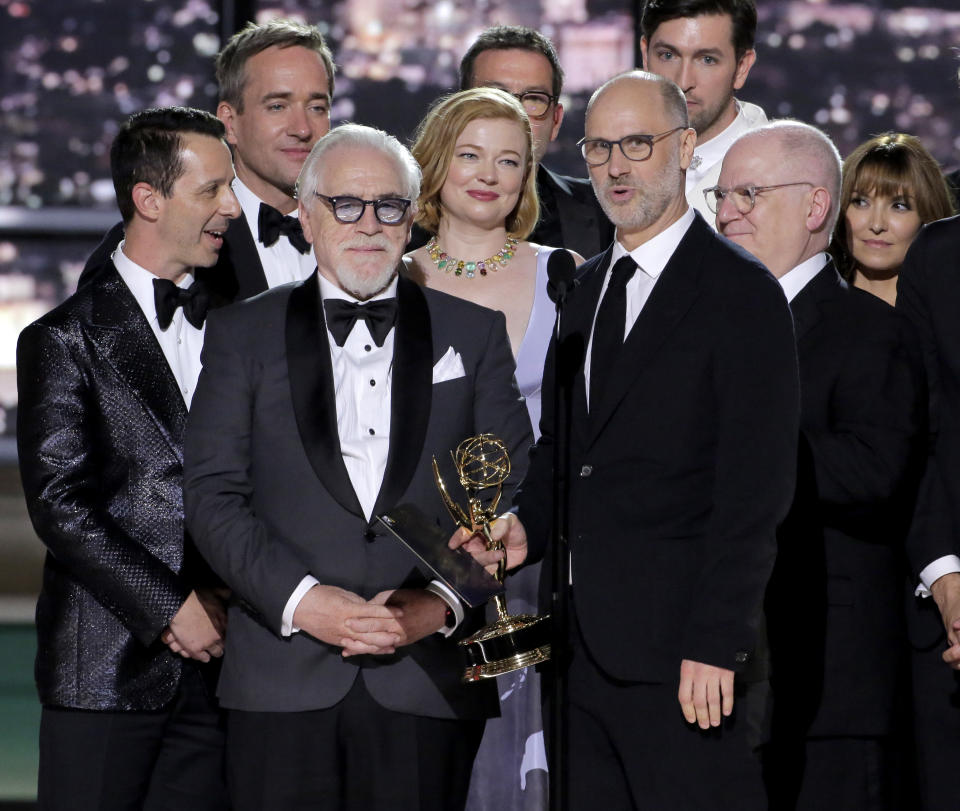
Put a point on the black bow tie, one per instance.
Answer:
(271, 223)
(194, 299)
(380, 316)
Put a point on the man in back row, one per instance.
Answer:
(706, 47)
(276, 87)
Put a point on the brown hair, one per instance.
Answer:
(433, 148)
(231, 62)
(890, 165)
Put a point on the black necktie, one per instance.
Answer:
(271, 223)
(609, 328)
(194, 299)
(380, 316)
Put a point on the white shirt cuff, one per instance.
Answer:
(932, 572)
(286, 623)
(442, 590)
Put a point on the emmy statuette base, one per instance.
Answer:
(509, 644)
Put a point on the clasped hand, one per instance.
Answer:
(199, 628)
(377, 626)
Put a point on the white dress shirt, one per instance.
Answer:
(281, 262)
(651, 258)
(362, 378)
(795, 279)
(181, 342)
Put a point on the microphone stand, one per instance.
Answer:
(560, 560)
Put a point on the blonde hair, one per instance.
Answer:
(433, 148)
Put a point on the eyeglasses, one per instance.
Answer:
(535, 102)
(597, 151)
(346, 210)
(744, 197)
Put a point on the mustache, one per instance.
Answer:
(367, 243)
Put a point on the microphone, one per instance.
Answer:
(561, 269)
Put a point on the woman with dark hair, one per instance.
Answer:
(891, 187)
(478, 200)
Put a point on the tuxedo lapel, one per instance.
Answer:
(125, 340)
(241, 256)
(312, 391)
(671, 298)
(411, 392)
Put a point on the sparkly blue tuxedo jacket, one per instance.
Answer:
(100, 431)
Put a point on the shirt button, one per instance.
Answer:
(372, 432)
(373, 382)
(367, 348)
(585, 471)
(179, 341)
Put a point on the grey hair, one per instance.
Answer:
(357, 136)
(674, 102)
(803, 145)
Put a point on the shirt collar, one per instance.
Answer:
(250, 204)
(140, 280)
(652, 256)
(794, 280)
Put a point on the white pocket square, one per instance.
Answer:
(449, 367)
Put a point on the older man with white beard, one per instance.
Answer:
(321, 409)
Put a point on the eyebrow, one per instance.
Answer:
(532, 89)
(484, 149)
(659, 43)
(287, 94)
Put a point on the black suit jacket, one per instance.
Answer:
(834, 604)
(99, 431)
(570, 215)
(928, 294)
(269, 498)
(679, 476)
(238, 273)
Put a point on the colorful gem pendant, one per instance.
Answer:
(461, 267)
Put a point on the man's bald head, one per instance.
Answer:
(790, 223)
(671, 96)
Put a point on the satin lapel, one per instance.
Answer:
(126, 342)
(312, 391)
(242, 258)
(411, 392)
(817, 295)
(671, 298)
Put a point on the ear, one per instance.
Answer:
(227, 115)
(305, 223)
(147, 201)
(643, 53)
(688, 141)
(557, 120)
(743, 68)
(819, 209)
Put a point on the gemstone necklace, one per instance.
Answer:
(461, 267)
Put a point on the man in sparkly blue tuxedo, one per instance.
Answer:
(128, 622)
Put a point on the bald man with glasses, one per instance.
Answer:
(834, 609)
(682, 454)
